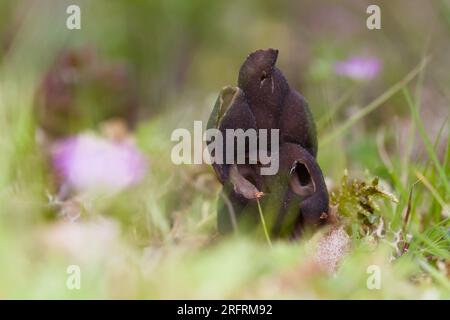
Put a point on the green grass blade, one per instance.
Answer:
(263, 222)
(437, 276)
(426, 140)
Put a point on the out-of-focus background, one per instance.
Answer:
(86, 178)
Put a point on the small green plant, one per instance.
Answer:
(357, 204)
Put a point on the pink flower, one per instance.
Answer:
(89, 163)
(358, 68)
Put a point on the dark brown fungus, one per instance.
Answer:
(296, 196)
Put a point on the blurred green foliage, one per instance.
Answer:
(158, 239)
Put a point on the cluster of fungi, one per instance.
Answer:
(296, 197)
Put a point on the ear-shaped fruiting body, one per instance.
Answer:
(264, 86)
(273, 103)
(235, 112)
(257, 66)
(304, 197)
(231, 111)
(306, 181)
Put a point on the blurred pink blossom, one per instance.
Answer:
(358, 68)
(89, 163)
